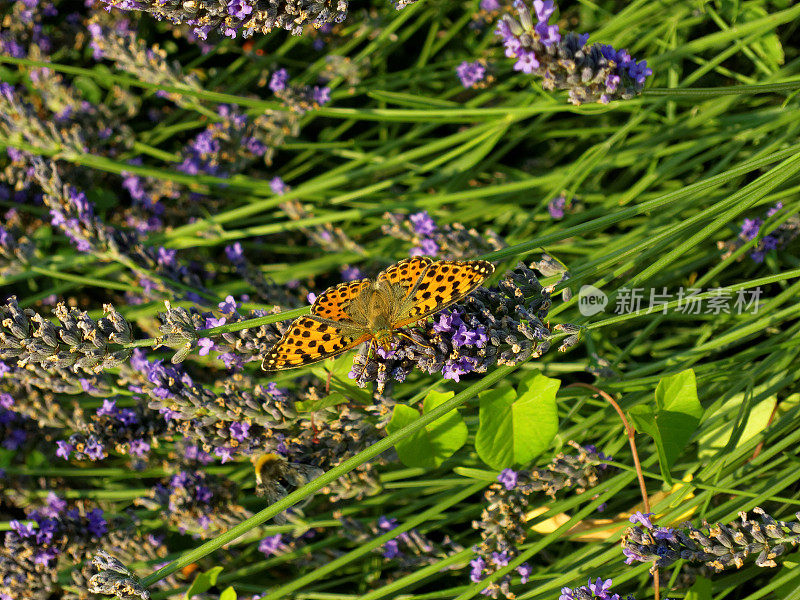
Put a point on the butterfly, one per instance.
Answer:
(351, 313)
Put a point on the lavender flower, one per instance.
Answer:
(750, 229)
(596, 73)
(244, 17)
(718, 546)
(77, 343)
(599, 589)
(451, 241)
(503, 526)
(408, 551)
(471, 73)
(508, 478)
(557, 207)
(196, 501)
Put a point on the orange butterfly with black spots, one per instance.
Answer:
(351, 313)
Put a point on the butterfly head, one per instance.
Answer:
(383, 338)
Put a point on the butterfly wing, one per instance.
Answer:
(440, 285)
(333, 302)
(310, 339)
(406, 273)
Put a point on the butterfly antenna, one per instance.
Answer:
(408, 337)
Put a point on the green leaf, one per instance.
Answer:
(700, 590)
(228, 593)
(673, 421)
(717, 437)
(88, 88)
(517, 426)
(335, 371)
(203, 582)
(329, 400)
(438, 441)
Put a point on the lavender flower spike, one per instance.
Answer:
(717, 546)
(591, 73)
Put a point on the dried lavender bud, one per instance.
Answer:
(115, 579)
(224, 423)
(72, 126)
(241, 16)
(30, 557)
(114, 40)
(450, 242)
(74, 214)
(408, 551)
(718, 546)
(595, 73)
(503, 524)
(327, 237)
(267, 290)
(197, 502)
(15, 252)
(51, 378)
(78, 343)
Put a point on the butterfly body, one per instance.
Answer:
(351, 313)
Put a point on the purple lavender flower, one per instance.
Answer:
(228, 307)
(239, 9)
(470, 73)
(470, 337)
(427, 247)
(391, 549)
(774, 209)
(525, 571)
(600, 588)
(278, 81)
(508, 478)
(526, 63)
(321, 94)
(109, 408)
(63, 449)
(278, 187)
(270, 544)
(224, 454)
(643, 518)
(206, 345)
(212, 322)
(235, 252)
(454, 369)
(477, 565)
(566, 594)
(139, 448)
(23, 530)
(423, 223)
(239, 430)
(500, 559)
(750, 228)
(556, 207)
(94, 450)
(351, 273)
